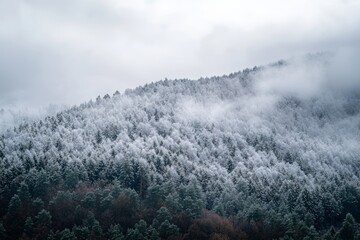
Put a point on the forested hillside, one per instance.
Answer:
(217, 158)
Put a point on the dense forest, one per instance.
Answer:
(215, 158)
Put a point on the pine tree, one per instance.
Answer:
(96, 231)
(89, 200)
(37, 205)
(15, 206)
(24, 193)
(66, 234)
(98, 137)
(163, 214)
(14, 221)
(330, 234)
(3, 234)
(115, 232)
(348, 228)
(81, 232)
(42, 224)
(153, 234)
(29, 227)
(166, 229)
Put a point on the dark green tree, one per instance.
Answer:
(65, 234)
(348, 228)
(81, 232)
(37, 206)
(42, 184)
(71, 177)
(43, 222)
(153, 234)
(29, 227)
(89, 200)
(330, 234)
(15, 219)
(312, 234)
(3, 234)
(167, 229)
(192, 202)
(24, 193)
(155, 196)
(163, 214)
(115, 232)
(96, 231)
(139, 231)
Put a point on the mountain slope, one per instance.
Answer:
(230, 144)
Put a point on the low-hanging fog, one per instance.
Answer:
(71, 51)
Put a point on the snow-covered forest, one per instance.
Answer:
(217, 158)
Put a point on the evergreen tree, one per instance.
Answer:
(312, 234)
(330, 234)
(15, 206)
(14, 221)
(163, 214)
(98, 137)
(42, 184)
(166, 229)
(43, 222)
(24, 193)
(96, 231)
(37, 205)
(153, 234)
(66, 234)
(81, 232)
(115, 232)
(3, 234)
(29, 227)
(138, 232)
(89, 200)
(348, 228)
(71, 177)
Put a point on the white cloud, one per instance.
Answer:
(70, 51)
(300, 77)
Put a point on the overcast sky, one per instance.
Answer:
(70, 51)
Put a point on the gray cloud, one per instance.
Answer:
(67, 52)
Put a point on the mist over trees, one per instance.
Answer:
(217, 158)
(15, 115)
